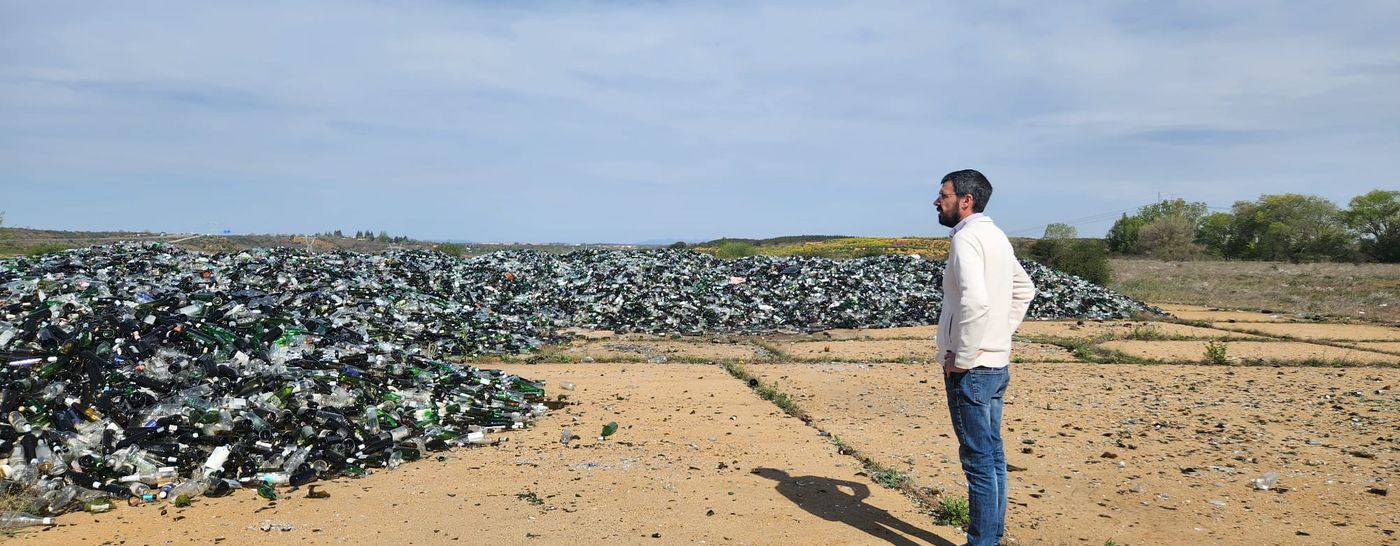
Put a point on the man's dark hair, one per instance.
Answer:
(970, 182)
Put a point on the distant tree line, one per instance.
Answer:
(367, 235)
(1286, 227)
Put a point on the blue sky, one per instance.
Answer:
(632, 121)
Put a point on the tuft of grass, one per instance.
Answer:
(1088, 349)
(1215, 352)
(952, 511)
(1110, 542)
(1147, 332)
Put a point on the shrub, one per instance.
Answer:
(451, 249)
(1215, 353)
(678, 245)
(952, 511)
(1170, 238)
(730, 250)
(1085, 258)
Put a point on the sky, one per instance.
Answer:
(628, 121)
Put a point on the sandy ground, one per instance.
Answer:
(1249, 351)
(1139, 454)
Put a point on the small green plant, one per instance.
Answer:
(841, 446)
(1215, 352)
(887, 476)
(1147, 332)
(1110, 542)
(952, 511)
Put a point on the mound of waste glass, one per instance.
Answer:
(143, 371)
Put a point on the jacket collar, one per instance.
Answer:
(974, 217)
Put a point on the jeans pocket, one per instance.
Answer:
(970, 386)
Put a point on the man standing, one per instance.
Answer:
(985, 296)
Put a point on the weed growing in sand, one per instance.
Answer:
(886, 476)
(530, 497)
(1215, 352)
(767, 392)
(841, 446)
(952, 511)
(1110, 542)
(1147, 332)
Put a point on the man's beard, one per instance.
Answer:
(949, 217)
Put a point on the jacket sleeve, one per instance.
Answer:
(974, 305)
(1022, 292)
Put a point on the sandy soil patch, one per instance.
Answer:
(1145, 454)
(908, 332)
(1236, 351)
(614, 349)
(1337, 332)
(1218, 315)
(1119, 330)
(1040, 352)
(680, 471)
(1382, 346)
(860, 350)
(905, 350)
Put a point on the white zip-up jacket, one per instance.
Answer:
(985, 296)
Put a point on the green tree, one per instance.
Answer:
(1060, 231)
(1170, 237)
(1213, 233)
(1289, 227)
(1375, 219)
(1085, 258)
(383, 236)
(1122, 238)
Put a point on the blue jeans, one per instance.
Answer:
(974, 402)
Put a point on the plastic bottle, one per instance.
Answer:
(16, 520)
(188, 488)
(273, 478)
(1265, 482)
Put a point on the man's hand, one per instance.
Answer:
(949, 358)
(948, 367)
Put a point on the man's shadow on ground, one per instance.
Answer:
(825, 498)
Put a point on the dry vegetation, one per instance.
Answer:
(1368, 292)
